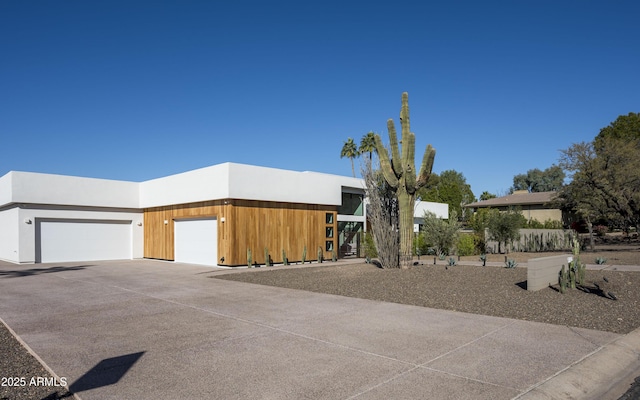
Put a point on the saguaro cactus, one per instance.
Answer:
(400, 173)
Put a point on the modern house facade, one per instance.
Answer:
(211, 216)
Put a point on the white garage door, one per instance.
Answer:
(196, 241)
(82, 240)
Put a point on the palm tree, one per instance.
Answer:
(350, 151)
(368, 144)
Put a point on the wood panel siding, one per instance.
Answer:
(247, 224)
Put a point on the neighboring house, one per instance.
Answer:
(534, 206)
(441, 210)
(208, 216)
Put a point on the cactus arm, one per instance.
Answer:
(385, 164)
(408, 148)
(425, 168)
(406, 130)
(404, 115)
(396, 161)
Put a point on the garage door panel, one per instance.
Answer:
(196, 241)
(82, 240)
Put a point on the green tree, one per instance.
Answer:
(479, 222)
(624, 127)
(450, 187)
(439, 233)
(605, 180)
(486, 196)
(368, 144)
(350, 151)
(504, 227)
(535, 180)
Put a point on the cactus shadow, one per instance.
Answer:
(595, 290)
(598, 291)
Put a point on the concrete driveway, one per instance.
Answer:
(149, 329)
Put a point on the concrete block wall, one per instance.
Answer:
(544, 271)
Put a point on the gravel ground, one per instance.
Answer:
(495, 291)
(18, 367)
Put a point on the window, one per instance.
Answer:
(352, 204)
(329, 218)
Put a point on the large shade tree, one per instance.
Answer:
(398, 169)
(449, 187)
(605, 180)
(626, 127)
(605, 174)
(535, 180)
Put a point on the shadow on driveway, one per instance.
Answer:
(17, 273)
(106, 372)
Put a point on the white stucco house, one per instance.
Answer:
(216, 215)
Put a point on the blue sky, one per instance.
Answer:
(135, 90)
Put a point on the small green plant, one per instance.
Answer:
(466, 245)
(334, 256)
(285, 260)
(266, 258)
(442, 255)
(510, 263)
(563, 280)
(452, 262)
(601, 260)
(304, 254)
(249, 258)
(369, 246)
(576, 268)
(483, 258)
(320, 254)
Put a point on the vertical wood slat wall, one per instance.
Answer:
(247, 224)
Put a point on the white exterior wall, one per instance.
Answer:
(247, 182)
(28, 187)
(259, 183)
(9, 239)
(5, 189)
(441, 210)
(210, 183)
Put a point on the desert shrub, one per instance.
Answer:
(442, 234)
(466, 245)
(600, 230)
(534, 224)
(369, 246)
(480, 245)
(550, 224)
(420, 245)
(504, 227)
(479, 222)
